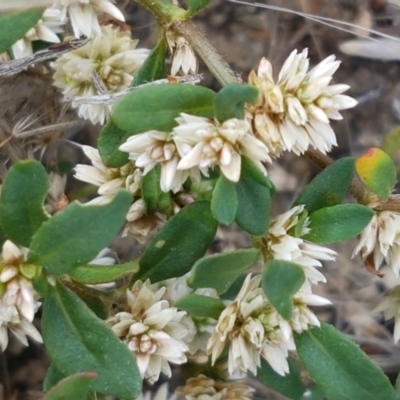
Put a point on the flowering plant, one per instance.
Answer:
(174, 161)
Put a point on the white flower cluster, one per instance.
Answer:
(250, 324)
(293, 113)
(108, 62)
(83, 15)
(193, 147)
(152, 330)
(254, 329)
(380, 241)
(18, 299)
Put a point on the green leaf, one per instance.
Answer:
(95, 274)
(73, 387)
(224, 201)
(339, 368)
(289, 385)
(397, 386)
(156, 107)
(338, 223)
(329, 187)
(153, 196)
(182, 241)
(230, 101)
(153, 67)
(378, 172)
(14, 25)
(79, 341)
(280, 281)
(254, 173)
(53, 376)
(111, 137)
(21, 204)
(198, 305)
(197, 5)
(254, 202)
(224, 269)
(75, 235)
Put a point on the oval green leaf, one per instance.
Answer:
(224, 201)
(339, 368)
(224, 269)
(95, 274)
(73, 387)
(14, 25)
(182, 241)
(53, 376)
(111, 137)
(378, 172)
(153, 67)
(254, 202)
(156, 107)
(230, 101)
(21, 203)
(289, 385)
(75, 235)
(338, 223)
(200, 306)
(79, 341)
(329, 187)
(280, 281)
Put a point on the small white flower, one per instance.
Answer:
(83, 14)
(154, 147)
(204, 143)
(390, 306)
(18, 299)
(109, 180)
(293, 113)
(152, 330)
(183, 57)
(45, 30)
(111, 56)
(380, 241)
(281, 244)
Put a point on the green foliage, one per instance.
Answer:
(95, 274)
(73, 387)
(151, 108)
(378, 172)
(111, 137)
(78, 341)
(229, 102)
(53, 376)
(196, 6)
(156, 107)
(153, 196)
(280, 281)
(224, 269)
(329, 187)
(154, 66)
(181, 242)
(75, 235)
(21, 204)
(254, 200)
(339, 368)
(289, 385)
(338, 223)
(14, 25)
(224, 202)
(200, 306)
